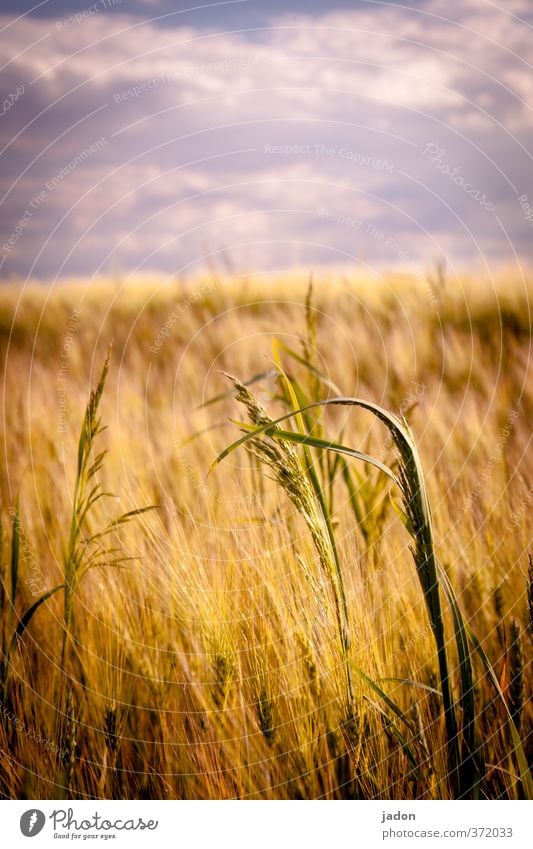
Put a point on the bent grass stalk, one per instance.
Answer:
(464, 776)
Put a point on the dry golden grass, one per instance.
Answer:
(209, 664)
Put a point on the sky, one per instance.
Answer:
(145, 136)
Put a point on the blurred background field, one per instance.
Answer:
(207, 665)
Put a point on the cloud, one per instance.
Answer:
(236, 141)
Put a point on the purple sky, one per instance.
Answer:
(141, 137)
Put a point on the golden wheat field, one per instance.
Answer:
(300, 620)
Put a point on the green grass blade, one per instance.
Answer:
(315, 442)
(383, 695)
(382, 414)
(410, 682)
(28, 616)
(15, 554)
(525, 774)
(469, 770)
(314, 371)
(306, 439)
(417, 504)
(15, 557)
(354, 499)
(294, 396)
(393, 728)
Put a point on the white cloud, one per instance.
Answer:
(377, 83)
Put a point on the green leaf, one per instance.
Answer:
(15, 555)
(525, 774)
(411, 481)
(314, 371)
(271, 430)
(28, 616)
(383, 695)
(382, 414)
(393, 728)
(402, 514)
(411, 683)
(468, 766)
(315, 442)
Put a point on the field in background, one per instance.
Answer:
(206, 663)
